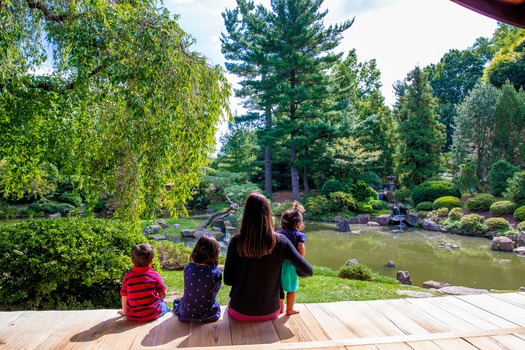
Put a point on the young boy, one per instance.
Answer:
(143, 290)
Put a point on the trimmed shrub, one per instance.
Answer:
(425, 206)
(316, 207)
(442, 212)
(72, 198)
(355, 272)
(455, 213)
(521, 226)
(471, 223)
(422, 213)
(378, 204)
(372, 179)
(49, 207)
(499, 173)
(502, 208)
(429, 191)
(172, 256)
(364, 208)
(480, 202)
(362, 192)
(516, 188)
(494, 224)
(519, 213)
(342, 202)
(402, 195)
(330, 186)
(448, 202)
(65, 263)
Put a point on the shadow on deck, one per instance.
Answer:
(490, 321)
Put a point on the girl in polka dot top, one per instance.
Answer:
(202, 281)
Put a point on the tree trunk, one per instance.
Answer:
(294, 173)
(305, 179)
(268, 155)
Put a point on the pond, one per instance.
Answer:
(416, 251)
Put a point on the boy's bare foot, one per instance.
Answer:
(292, 312)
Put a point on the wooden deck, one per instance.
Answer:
(490, 321)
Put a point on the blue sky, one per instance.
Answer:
(398, 34)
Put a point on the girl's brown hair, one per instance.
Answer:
(206, 251)
(292, 219)
(256, 234)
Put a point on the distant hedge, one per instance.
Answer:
(64, 263)
(431, 190)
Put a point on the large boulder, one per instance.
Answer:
(411, 219)
(435, 284)
(521, 240)
(343, 226)
(220, 224)
(404, 277)
(504, 244)
(363, 218)
(430, 225)
(187, 232)
(383, 219)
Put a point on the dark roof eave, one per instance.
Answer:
(511, 14)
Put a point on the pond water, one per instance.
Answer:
(416, 251)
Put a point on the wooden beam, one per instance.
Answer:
(507, 11)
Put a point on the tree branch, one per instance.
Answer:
(33, 4)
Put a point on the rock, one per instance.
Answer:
(216, 229)
(147, 230)
(352, 262)
(383, 220)
(54, 216)
(521, 240)
(187, 232)
(429, 225)
(200, 233)
(435, 285)
(448, 246)
(343, 226)
(337, 218)
(154, 229)
(455, 290)
(519, 251)
(372, 223)
(404, 277)
(220, 224)
(389, 196)
(162, 223)
(176, 226)
(353, 220)
(411, 219)
(363, 218)
(414, 294)
(522, 289)
(503, 244)
(390, 264)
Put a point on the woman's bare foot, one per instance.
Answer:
(292, 312)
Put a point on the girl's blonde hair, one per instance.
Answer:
(256, 233)
(292, 219)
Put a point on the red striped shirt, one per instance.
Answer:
(142, 286)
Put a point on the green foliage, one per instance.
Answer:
(519, 213)
(342, 202)
(521, 226)
(480, 202)
(425, 206)
(238, 193)
(371, 178)
(442, 212)
(431, 190)
(279, 208)
(71, 198)
(516, 188)
(455, 213)
(317, 207)
(378, 204)
(494, 224)
(172, 256)
(356, 272)
(50, 207)
(447, 202)
(467, 178)
(73, 263)
(330, 186)
(402, 194)
(364, 208)
(502, 208)
(362, 192)
(499, 173)
(471, 223)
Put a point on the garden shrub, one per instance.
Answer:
(342, 202)
(422, 213)
(378, 204)
(49, 207)
(355, 272)
(429, 191)
(330, 186)
(499, 173)
(425, 206)
(371, 178)
(502, 208)
(402, 195)
(238, 192)
(279, 208)
(494, 224)
(519, 213)
(362, 192)
(521, 226)
(516, 188)
(364, 208)
(72, 198)
(480, 202)
(471, 223)
(448, 202)
(455, 213)
(172, 256)
(64, 263)
(433, 216)
(442, 212)
(316, 207)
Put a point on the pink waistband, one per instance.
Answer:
(245, 318)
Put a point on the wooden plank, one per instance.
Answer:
(477, 317)
(360, 347)
(302, 327)
(244, 333)
(166, 332)
(516, 299)
(486, 343)
(330, 321)
(211, 334)
(400, 319)
(423, 345)
(455, 344)
(496, 307)
(510, 341)
(380, 325)
(394, 346)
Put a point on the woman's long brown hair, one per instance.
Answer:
(256, 234)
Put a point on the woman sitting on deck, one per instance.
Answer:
(253, 264)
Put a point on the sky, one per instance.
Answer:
(398, 34)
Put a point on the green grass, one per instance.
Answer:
(323, 287)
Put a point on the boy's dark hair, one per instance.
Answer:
(292, 219)
(142, 255)
(206, 251)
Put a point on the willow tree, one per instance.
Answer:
(124, 104)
